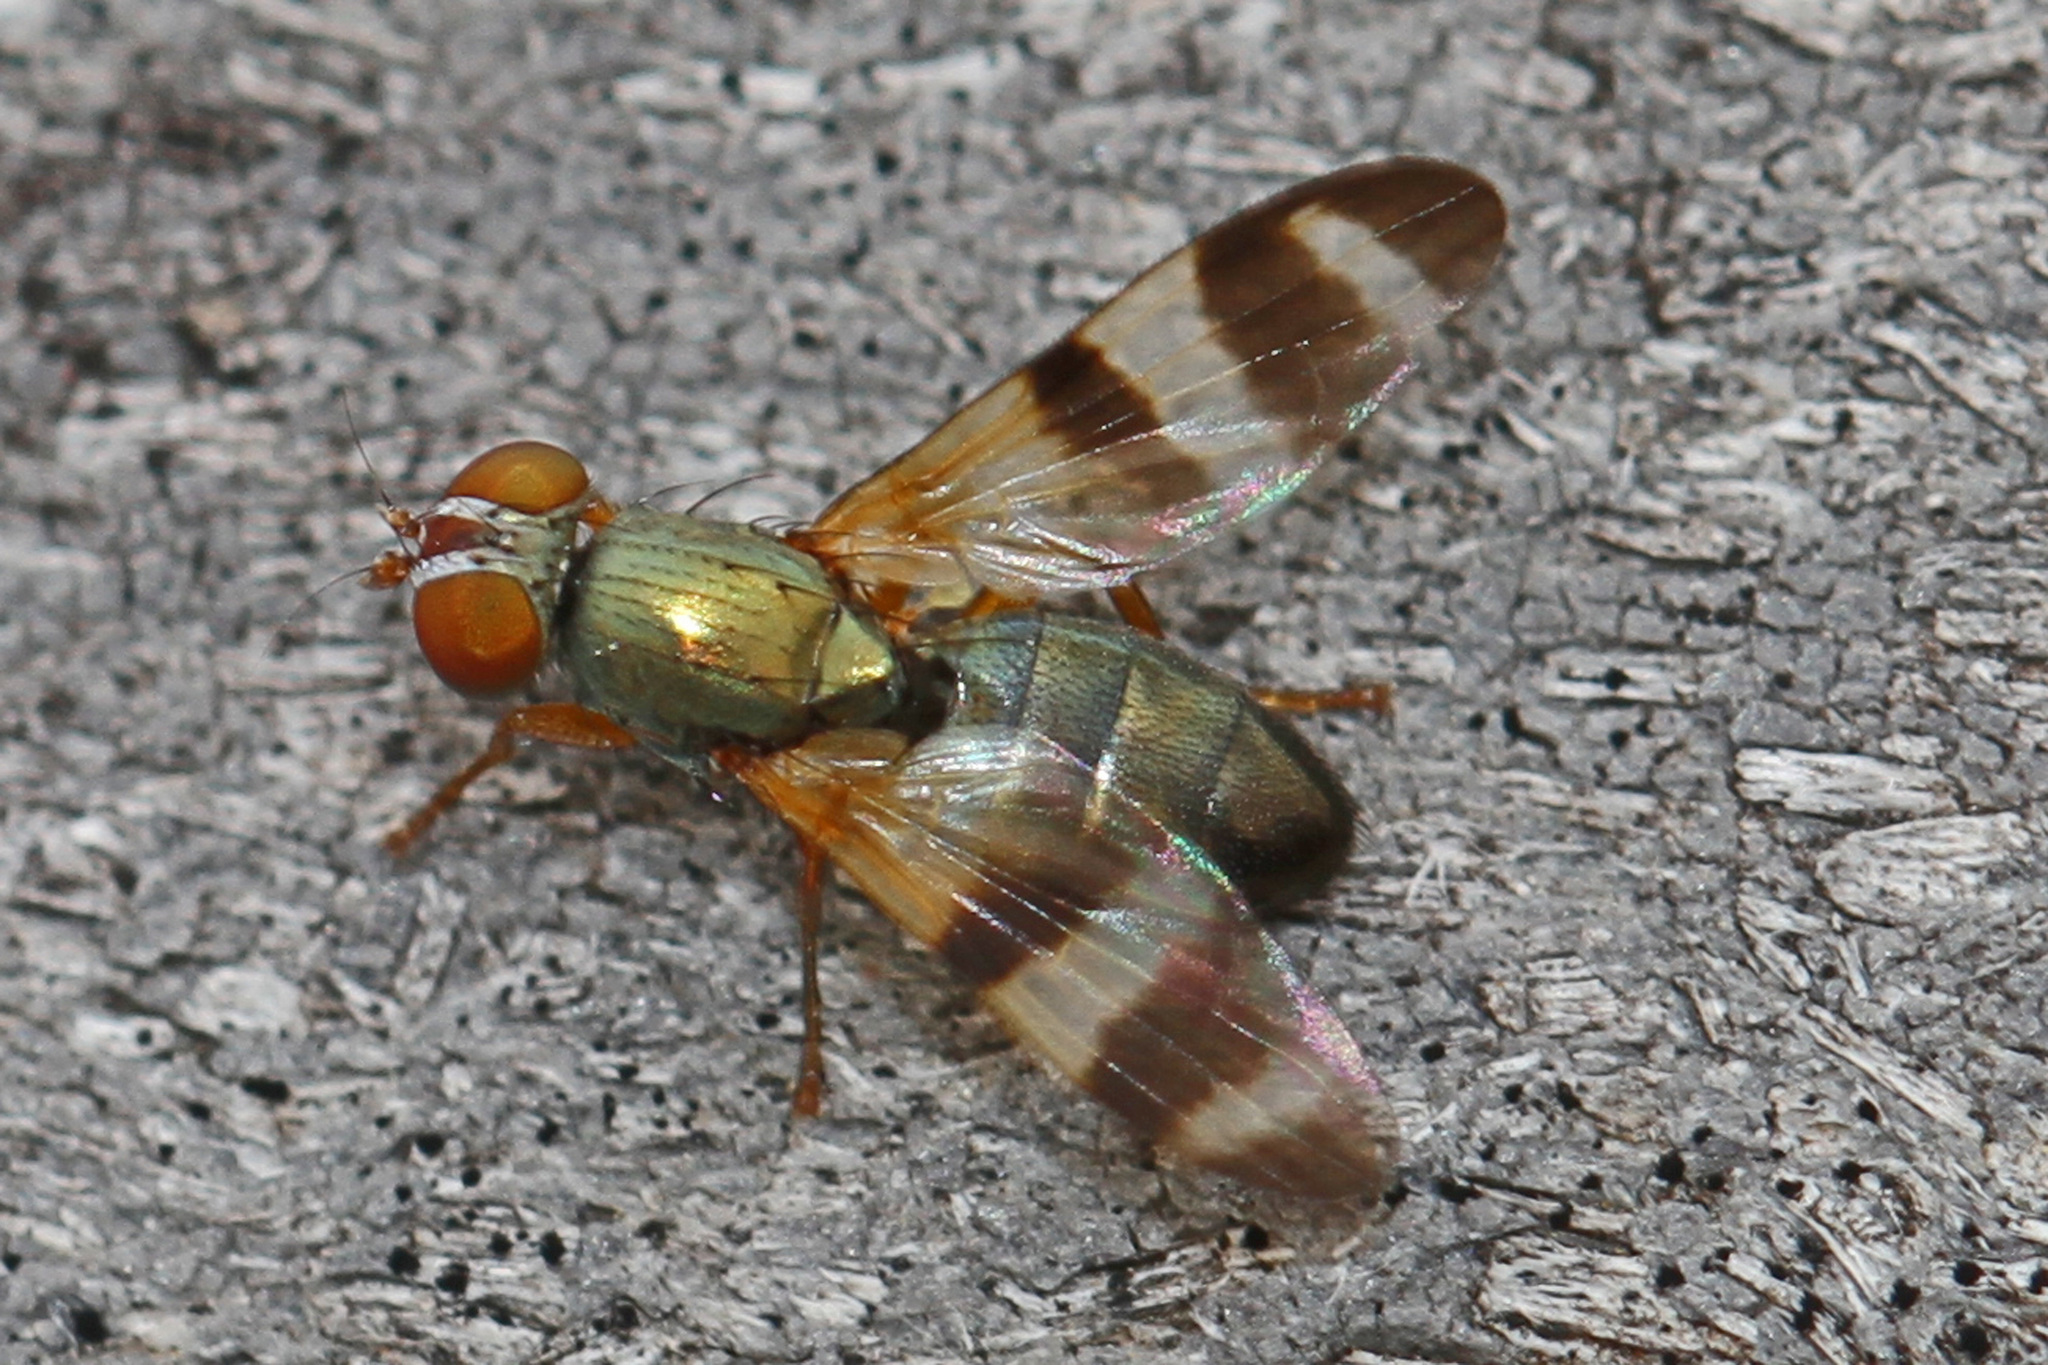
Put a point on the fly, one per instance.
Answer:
(1082, 820)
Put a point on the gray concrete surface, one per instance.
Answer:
(1698, 927)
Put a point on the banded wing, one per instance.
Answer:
(1203, 393)
(1113, 949)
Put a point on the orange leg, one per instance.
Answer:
(810, 900)
(888, 600)
(1131, 604)
(556, 722)
(987, 602)
(1377, 698)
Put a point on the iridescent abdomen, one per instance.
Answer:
(1189, 744)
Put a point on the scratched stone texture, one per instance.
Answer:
(1698, 922)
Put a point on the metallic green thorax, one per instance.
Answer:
(691, 633)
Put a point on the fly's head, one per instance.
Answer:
(486, 563)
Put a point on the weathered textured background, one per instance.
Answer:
(1699, 928)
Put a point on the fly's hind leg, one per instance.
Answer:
(1376, 697)
(553, 722)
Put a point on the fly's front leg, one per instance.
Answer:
(557, 722)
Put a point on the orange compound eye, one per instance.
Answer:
(526, 476)
(480, 632)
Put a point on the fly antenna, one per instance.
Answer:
(396, 517)
(348, 415)
(368, 575)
